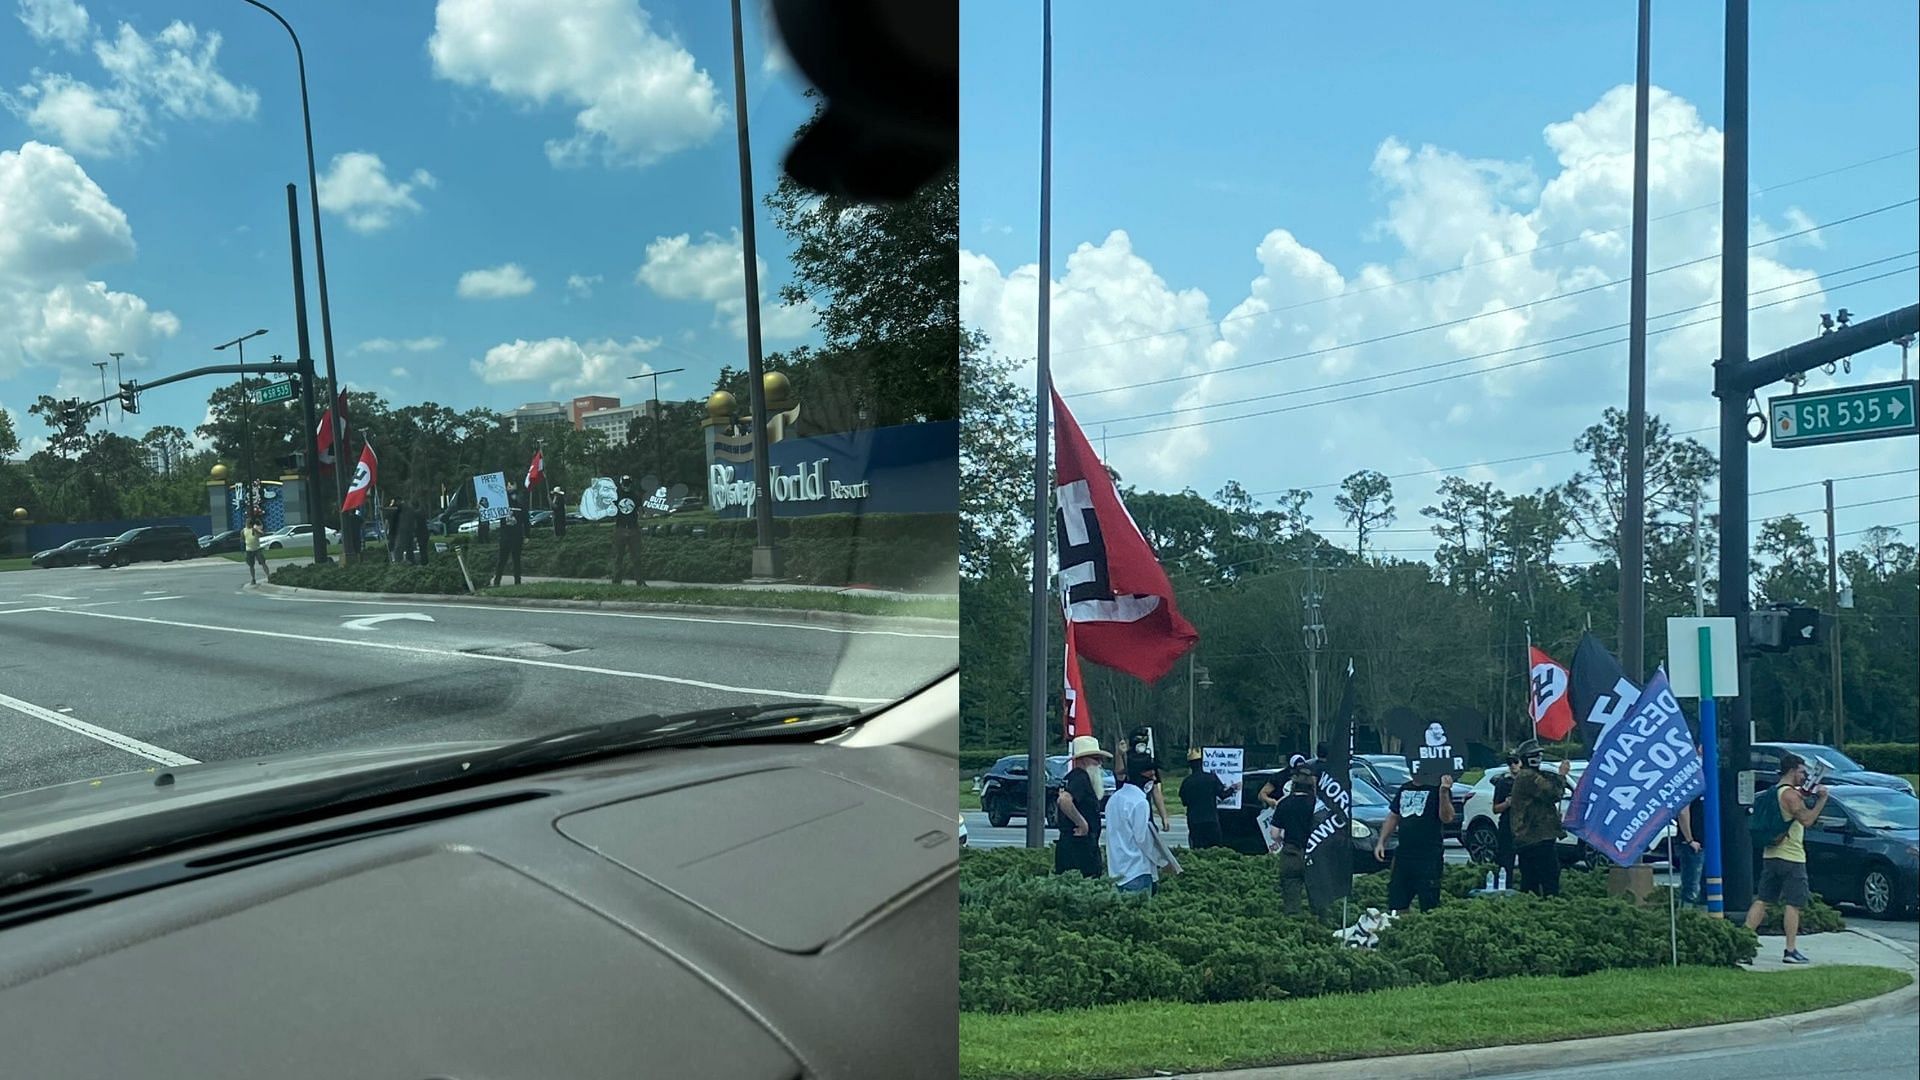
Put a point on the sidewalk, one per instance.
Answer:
(1851, 946)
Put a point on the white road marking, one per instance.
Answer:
(93, 731)
(629, 615)
(52, 596)
(368, 622)
(20, 610)
(749, 691)
(144, 599)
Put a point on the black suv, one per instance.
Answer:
(164, 543)
(1003, 788)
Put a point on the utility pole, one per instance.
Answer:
(766, 558)
(117, 379)
(102, 365)
(1633, 575)
(1313, 632)
(659, 468)
(1833, 635)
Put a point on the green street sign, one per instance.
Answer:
(1844, 414)
(272, 392)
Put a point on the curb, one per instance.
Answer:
(840, 620)
(1597, 1050)
(1900, 947)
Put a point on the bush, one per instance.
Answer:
(1032, 941)
(1819, 917)
(1898, 758)
(438, 576)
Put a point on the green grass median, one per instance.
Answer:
(772, 599)
(24, 562)
(969, 798)
(1135, 1039)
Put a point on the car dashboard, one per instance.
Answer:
(759, 911)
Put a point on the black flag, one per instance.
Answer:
(1601, 692)
(1330, 845)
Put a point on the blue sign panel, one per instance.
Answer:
(910, 469)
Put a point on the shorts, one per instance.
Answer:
(257, 556)
(1783, 882)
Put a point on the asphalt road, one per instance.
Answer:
(108, 671)
(1886, 1049)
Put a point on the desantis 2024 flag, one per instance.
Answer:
(1644, 770)
(1117, 597)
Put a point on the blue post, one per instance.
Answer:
(1710, 761)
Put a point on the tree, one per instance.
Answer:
(166, 446)
(67, 419)
(885, 283)
(1366, 499)
(996, 462)
(1676, 470)
(9, 438)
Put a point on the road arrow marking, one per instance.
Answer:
(368, 622)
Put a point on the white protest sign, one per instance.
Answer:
(1229, 763)
(1683, 659)
(598, 502)
(490, 496)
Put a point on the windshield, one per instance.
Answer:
(1882, 809)
(1392, 771)
(1365, 794)
(1833, 760)
(737, 411)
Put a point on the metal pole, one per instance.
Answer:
(1633, 577)
(1833, 639)
(305, 360)
(1734, 600)
(106, 410)
(118, 378)
(1189, 699)
(1699, 566)
(1715, 838)
(766, 560)
(1042, 404)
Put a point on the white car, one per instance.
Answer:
(1480, 827)
(290, 535)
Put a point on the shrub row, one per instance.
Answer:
(1898, 758)
(1030, 941)
(439, 576)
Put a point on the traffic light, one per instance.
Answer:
(292, 462)
(1785, 626)
(130, 396)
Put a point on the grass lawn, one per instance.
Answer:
(305, 551)
(969, 799)
(1911, 778)
(1136, 1039)
(23, 562)
(757, 598)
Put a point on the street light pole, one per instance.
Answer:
(246, 405)
(117, 379)
(320, 267)
(102, 365)
(766, 561)
(659, 469)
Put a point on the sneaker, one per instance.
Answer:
(1794, 956)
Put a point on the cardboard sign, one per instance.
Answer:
(1436, 754)
(1229, 763)
(490, 496)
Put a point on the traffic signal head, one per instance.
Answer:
(130, 397)
(1785, 626)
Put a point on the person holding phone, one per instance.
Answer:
(1797, 802)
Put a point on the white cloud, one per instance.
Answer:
(495, 283)
(581, 285)
(175, 70)
(80, 117)
(1276, 344)
(639, 93)
(62, 21)
(563, 363)
(56, 227)
(398, 373)
(711, 270)
(355, 185)
(390, 345)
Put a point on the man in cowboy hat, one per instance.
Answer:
(1135, 852)
(1534, 805)
(1201, 792)
(1079, 810)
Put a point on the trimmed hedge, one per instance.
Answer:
(440, 576)
(1031, 941)
(1898, 758)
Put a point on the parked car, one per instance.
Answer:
(1003, 788)
(295, 535)
(1832, 766)
(450, 521)
(71, 553)
(540, 519)
(219, 542)
(1865, 849)
(1387, 772)
(153, 543)
(1480, 828)
(1240, 829)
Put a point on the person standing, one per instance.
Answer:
(1502, 803)
(1783, 865)
(395, 543)
(1534, 805)
(513, 534)
(558, 505)
(626, 532)
(1420, 814)
(421, 529)
(1687, 855)
(1135, 852)
(1077, 810)
(1292, 822)
(1201, 793)
(250, 539)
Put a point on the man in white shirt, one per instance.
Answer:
(1135, 853)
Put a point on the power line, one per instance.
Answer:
(1531, 344)
(1465, 266)
(1483, 314)
(1466, 374)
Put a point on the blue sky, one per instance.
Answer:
(1240, 182)
(562, 159)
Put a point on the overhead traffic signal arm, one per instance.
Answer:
(1856, 338)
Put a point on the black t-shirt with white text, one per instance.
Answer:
(1420, 831)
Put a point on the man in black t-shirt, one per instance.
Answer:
(626, 532)
(1079, 811)
(1201, 793)
(1420, 815)
(1292, 821)
(1502, 795)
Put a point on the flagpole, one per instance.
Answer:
(1042, 401)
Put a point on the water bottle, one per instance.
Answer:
(1489, 881)
(1503, 879)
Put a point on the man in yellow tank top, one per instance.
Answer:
(1783, 867)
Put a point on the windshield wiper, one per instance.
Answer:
(676, 729)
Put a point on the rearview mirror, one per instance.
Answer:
(1833, 823)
